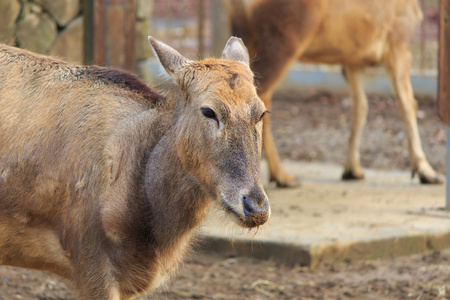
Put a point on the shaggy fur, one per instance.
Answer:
(103, 180)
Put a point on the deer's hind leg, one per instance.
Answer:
(397, 60)
(352, 167)
(283, 30)
(273, 61)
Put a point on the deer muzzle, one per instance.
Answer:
(256, 208)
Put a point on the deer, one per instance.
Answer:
(104, 180)
(356, 34)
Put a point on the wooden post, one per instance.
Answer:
(444, 81)
(201, 21)
(220, 26)
(109, 33)
(447, 171)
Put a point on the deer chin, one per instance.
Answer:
(236, 212)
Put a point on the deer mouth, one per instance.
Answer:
(229, 210)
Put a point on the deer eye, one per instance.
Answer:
(263, 114)
(209, 113)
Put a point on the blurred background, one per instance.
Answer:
(197, 28)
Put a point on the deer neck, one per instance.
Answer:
(177, 203)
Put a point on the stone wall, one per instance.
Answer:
(55, 27)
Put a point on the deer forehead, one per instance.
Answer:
(222, 81)
(221, 74)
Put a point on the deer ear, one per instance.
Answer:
(235, 49)
(170, 59)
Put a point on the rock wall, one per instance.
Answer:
(55, 27)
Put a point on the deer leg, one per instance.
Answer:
(352, 168)
(106, 291)
(397, 62)
(271, 69)
(95, 278)
(279, 37)
(276, 171)
(275, 53)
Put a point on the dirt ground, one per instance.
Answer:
(314, 128)
(425, 277)
(414, 277)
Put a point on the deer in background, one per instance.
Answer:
(103, 180)
(354, 33)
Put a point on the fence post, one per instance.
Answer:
(200, 28)
(447, 171)
(109, 33)
(444, 82)
(220, 26)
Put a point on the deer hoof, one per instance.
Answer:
(350, 175)
(291, 184)
(435, 179)
(286, 182)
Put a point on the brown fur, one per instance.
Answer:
(104, 180)
(355, 33)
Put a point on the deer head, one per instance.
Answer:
(219, 128)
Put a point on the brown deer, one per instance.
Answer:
(354, 33)
(103, 180)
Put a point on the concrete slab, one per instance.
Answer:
(327, 220)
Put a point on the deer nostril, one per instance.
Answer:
(252, 207)
(248, 206)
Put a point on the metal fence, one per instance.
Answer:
(196, 27)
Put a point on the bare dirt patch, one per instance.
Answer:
(413, 277)
(206, 276)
